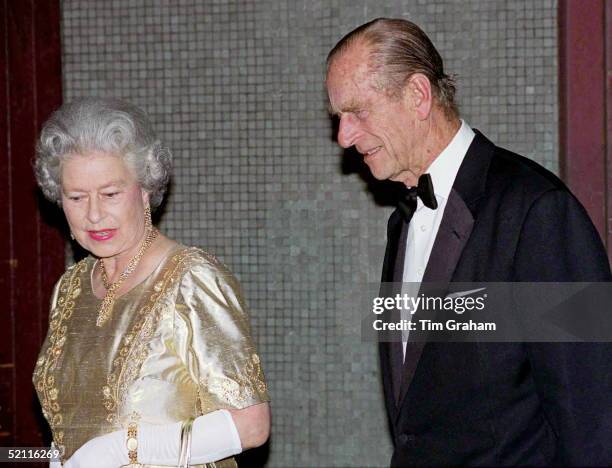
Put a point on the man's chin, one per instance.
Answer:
(378, 173)
(382, 173)
(378, 176)
(406, 178)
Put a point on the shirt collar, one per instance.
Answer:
(444, 168)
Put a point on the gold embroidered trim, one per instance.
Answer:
(44, 381)
(133, 350)
(240, 391)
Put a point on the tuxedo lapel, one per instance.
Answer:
(454, 232)
(453, 235)
(393, 265)
(397, 355)
(393, 271)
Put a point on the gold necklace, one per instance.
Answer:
(106, 308)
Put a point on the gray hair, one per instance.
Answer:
(399, 49)
(107, 125)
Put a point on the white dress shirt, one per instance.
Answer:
(425, 222)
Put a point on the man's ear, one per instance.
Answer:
(418, 91)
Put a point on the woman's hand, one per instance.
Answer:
(212, 440)
(107, 451)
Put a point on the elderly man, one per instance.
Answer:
(480, 213)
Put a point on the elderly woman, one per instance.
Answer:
(148, 359)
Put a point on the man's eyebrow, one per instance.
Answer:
(350, 107)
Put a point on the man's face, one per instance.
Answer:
(382, 128)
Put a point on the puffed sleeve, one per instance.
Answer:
(212, 336)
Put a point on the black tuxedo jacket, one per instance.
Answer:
(507, 219)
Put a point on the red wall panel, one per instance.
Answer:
(582, 105)
(608, 35)
(6, 335)
(32, 251)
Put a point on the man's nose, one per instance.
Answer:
(348, 131)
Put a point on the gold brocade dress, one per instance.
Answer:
(177, 345)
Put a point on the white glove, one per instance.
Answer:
(214, 436)
(54, 464)
(107, 451)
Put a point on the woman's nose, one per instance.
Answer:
(94, 213)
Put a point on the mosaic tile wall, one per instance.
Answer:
(235, 89)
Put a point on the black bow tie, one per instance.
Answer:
(408, 198)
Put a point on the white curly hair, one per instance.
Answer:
(107, 125)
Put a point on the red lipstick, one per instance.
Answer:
(102, 234)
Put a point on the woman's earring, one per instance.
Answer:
(71, 235)
(147, 216)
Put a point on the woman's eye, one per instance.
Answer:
(111, 194)
(362, 114)
(75, 198)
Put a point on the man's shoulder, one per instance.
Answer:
(494, 173)
(515, 184)
(509, 174)
(516, 169)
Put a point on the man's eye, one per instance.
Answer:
(361, 114)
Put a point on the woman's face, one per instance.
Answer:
(103, 203)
